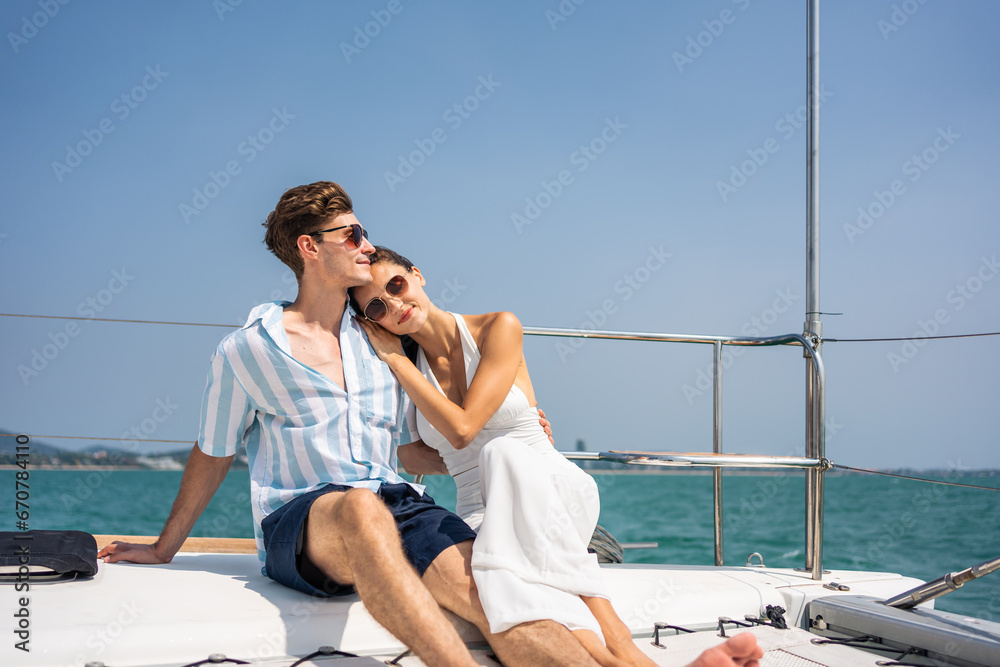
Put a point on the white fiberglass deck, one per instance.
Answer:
(202, 604)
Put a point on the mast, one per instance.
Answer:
(813, 328)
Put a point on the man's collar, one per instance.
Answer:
(271, 318)
(269, 314)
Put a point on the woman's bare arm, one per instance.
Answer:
(502, 351)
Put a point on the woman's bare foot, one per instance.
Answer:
(737, 651)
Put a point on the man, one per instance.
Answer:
(321, 418)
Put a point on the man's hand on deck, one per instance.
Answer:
(133, 553)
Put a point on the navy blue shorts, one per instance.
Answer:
(426, 529)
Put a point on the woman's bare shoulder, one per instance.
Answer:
(488, 325)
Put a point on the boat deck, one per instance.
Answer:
(203, 604)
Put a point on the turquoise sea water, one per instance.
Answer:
(871, 523)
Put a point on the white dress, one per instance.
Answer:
(534, 512)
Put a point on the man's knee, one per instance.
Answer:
(351, 511)
(363, 503)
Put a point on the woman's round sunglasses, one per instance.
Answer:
(357, 233)
(376, 308)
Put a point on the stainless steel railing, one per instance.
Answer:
(814, 461)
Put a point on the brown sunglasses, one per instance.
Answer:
(376, 308)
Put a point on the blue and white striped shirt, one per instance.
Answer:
(301, 430)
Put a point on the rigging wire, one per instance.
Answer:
(878, 340)
(237, 326)
(916, 479)
(106, 319)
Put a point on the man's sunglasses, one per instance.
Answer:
(357, 233)
(376, 308)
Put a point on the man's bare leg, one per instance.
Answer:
(353, 539)
(449, 580)
(616, 633)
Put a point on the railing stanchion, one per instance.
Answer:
(810, 452)
(819, 421)
(816, 449)
(717, 449)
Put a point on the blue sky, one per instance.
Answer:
(637, 166)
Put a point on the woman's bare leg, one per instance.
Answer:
(597, 650)
(616, 633)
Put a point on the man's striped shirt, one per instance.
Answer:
(301, 430)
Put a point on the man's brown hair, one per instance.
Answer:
(302, 210)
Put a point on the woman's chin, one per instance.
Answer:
(411, 322)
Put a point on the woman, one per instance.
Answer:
(534, 510)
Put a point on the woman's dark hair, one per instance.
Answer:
(383, 254)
